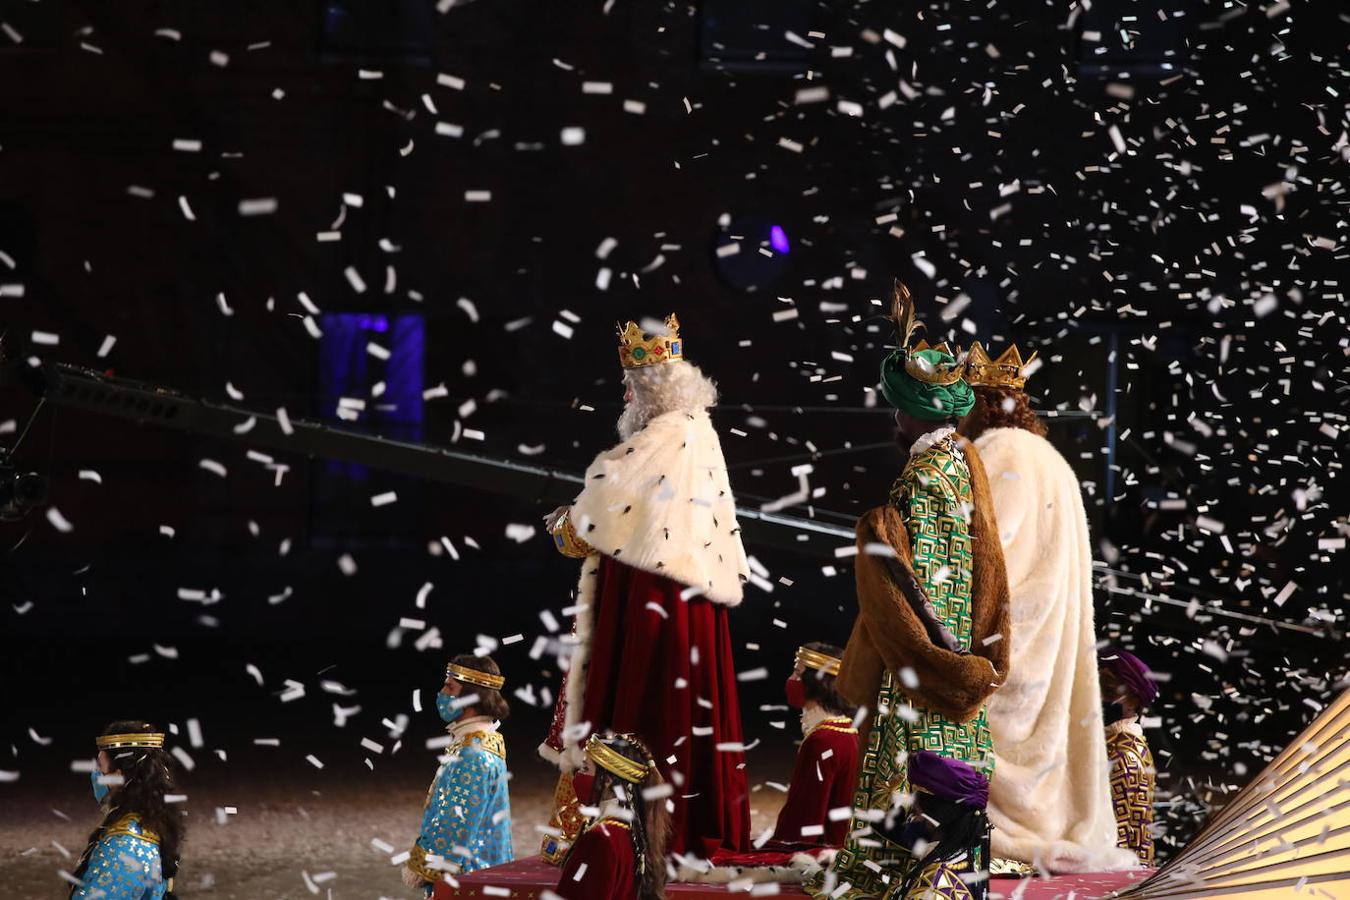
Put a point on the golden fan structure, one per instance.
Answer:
(1286, 835)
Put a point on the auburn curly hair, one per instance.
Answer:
(1000, 407)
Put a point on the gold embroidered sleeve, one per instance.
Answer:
(566, 540)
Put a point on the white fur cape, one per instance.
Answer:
(659, 501)
(1050, 797)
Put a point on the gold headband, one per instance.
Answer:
(474, 676)
(814, 659)
(612, 760)
(150, 740)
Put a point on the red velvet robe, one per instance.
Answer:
(822, 780)
(606, 850)
(653, 657)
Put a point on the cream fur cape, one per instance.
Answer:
(661, 502)
(1050, 797)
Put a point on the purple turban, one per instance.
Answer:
(1131, 672)
(948, 778)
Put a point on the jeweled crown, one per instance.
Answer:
(637, 348)
(906, 323)
(1008, 370)
(919, 368)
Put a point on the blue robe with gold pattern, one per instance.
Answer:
(123, 865)
(467, 818)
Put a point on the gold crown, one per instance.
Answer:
(814, 659)
(906, 323)
(475, 676)
(929, 374)
(149, 740)
(637, 348)
(1009, 370)
(613, 761)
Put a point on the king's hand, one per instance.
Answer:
(552, 518)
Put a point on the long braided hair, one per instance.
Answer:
(147, 777)
(959, 829)
(651, 820)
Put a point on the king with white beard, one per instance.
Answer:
(655, 526)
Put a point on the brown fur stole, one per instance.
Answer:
(891, 633)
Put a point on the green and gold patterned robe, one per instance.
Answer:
(934, 499)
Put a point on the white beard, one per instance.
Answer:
(634, 418)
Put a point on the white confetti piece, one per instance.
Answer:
(520, 533)
(1205, 523)
(384, 499)
(258, 206)
(58, 521)
(184, 760)
(1285, 593)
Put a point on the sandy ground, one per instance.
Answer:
(288, 824)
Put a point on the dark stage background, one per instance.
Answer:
(1151, 196)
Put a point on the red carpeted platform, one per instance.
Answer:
(529, 878)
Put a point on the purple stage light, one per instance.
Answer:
(778, 239)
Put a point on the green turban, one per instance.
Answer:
(919, 398)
